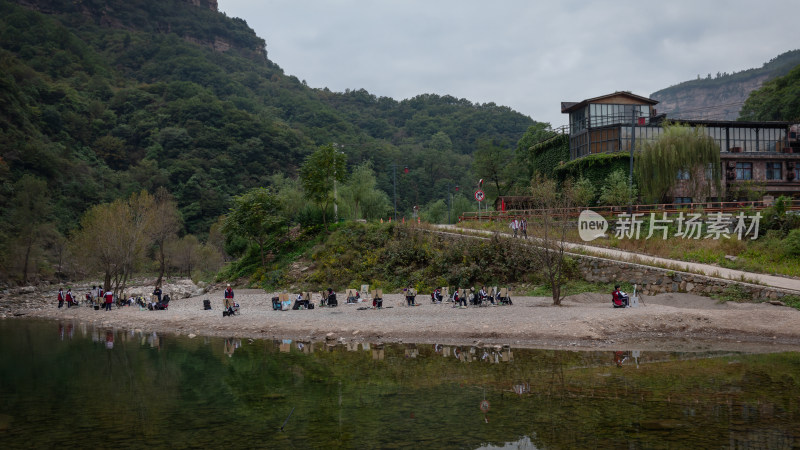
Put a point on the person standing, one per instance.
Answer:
(157, 294)
(109, 296)
(411, 296)
(70, 300)
(229, 300)
(523, 226)
(60, 297)
(514, 225)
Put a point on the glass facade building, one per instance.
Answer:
(758, 151)
(605, 125)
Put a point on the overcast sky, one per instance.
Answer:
(526, 54)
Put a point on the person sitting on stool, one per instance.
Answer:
(332, 298)
(618, 298)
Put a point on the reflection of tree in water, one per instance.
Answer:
(349, 399)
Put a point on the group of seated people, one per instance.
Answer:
(462, 297)
(303, 301)
(156, 304)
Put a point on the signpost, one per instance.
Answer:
(479, 196)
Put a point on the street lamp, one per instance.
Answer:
(335, 198)
(394, 173)
(450, 199)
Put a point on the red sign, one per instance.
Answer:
(479, 195)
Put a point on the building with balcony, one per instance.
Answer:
(765, 153)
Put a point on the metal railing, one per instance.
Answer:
(610, 211)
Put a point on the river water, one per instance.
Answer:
(74, 385)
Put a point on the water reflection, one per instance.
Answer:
(172, 389)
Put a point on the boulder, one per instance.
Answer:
(184, 288)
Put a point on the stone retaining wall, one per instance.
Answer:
(655, 280)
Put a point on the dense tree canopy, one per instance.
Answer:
(104, 99)
(778, 99)
(678, 148)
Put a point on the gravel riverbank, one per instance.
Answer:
(584, 321)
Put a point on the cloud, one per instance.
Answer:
(527, 55)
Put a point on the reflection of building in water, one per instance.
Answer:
(377, 352)
(411, 351)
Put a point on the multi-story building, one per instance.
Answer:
(766, 153)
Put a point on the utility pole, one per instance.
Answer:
(630, 171)
(394, 184)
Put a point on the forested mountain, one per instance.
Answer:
(102, 98)
(778, 99)
(721, 97)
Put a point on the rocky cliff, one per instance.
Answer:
(717, 102)
(722, 97)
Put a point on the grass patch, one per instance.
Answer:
(734, 293)
(792, 300)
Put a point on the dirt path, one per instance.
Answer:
(586, 321)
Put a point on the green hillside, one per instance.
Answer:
(778, 99)
(100, 99)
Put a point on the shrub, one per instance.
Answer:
(791, 243)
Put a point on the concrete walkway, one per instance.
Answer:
(708, 270)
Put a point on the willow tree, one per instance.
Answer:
(680, 148)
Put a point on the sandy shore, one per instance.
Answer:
(584, 321)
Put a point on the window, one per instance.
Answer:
(578, 121)
(774, 170)
(683, 174)
(682, 200)
(744, 171)
(709, 173)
